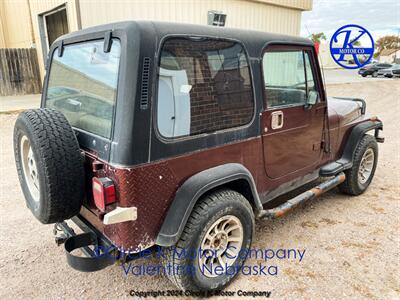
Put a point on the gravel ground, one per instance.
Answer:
(352, 244)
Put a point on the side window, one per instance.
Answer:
(309, 74)
(203, 86)
(288, 78)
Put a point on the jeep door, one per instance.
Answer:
(293, 116)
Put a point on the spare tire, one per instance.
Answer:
(49, 164)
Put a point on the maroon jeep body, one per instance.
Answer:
(178, 135)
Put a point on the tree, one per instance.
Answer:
(318, 37)
(387, 42)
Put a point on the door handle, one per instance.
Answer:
(277, 119)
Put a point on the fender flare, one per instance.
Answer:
(354, 138)
(190, 192)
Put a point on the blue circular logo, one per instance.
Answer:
(352, 46)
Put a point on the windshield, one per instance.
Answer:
(83, 85)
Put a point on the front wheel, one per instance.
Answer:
(360, 175)
(375, 74)
(219, 229)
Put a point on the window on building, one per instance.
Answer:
(288, 78)
(204, 86)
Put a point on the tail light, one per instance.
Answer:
(103, 192)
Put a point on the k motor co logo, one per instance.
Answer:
(352, 46)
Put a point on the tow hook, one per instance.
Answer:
(60, 239)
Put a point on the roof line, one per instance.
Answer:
(292, 5)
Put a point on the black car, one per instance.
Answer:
(373, 69)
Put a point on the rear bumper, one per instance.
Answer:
(100, 255)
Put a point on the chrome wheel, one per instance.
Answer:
(221, 244)
(30, 168)
(366, 166)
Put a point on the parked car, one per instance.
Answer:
(178, 137)
(373, 69)
(390, 72)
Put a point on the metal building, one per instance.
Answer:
(37, 23)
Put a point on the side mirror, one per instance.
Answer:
(312, 98)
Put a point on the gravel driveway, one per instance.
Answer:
(352, 244)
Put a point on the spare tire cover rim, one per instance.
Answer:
(30, 168)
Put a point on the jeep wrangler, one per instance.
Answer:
(177, 136)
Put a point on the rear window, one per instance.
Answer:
(204, 85)
(83, 85)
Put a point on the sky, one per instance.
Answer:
(379, 17)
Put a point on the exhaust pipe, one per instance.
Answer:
(282, 209)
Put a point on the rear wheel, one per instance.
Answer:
(220, 225)
(364, 75)
(375, 74)
(359, 177)
(49, 164)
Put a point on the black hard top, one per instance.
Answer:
(252, 38)
(131, 143)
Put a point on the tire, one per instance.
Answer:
(208, 211)
(355, 184)
(49, 165)
(375, 74)
(364, 75)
